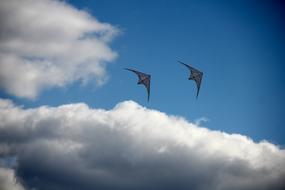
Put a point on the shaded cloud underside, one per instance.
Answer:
(48, 43)
(129, 147)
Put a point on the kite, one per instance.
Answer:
(195, 75)
(143, 79)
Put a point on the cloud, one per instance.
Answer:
(131, 147)
(8, 180)
(49, 43)
(201, 120)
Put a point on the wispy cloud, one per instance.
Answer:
(49, 43)
(131, 147)
(201, 120)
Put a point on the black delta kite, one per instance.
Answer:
(195, 75)
(143, 79)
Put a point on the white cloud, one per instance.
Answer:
(48, 43)
(131, 147)
(201, 120)
(8, 180)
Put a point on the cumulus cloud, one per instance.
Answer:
(49, 43)
(8, 180)
(131, 147)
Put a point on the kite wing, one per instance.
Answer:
(192, 69)
(147, 85)
(198, 81)
(143, 79)
(195, 75)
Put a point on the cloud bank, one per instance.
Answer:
(8, 180)
(129, 147)
(48, 43)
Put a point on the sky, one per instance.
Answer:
(238, 45)
(62, 69)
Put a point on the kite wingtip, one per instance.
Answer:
(197, 96)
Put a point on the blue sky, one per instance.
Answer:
(239, 45)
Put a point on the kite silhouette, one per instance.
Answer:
(195, 75)
(143, 79)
